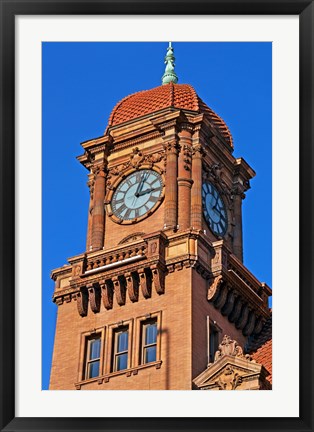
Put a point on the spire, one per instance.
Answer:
(169, 75)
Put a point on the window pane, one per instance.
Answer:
(122, 361)
(151, 333)
(150, 354)
(93, 369)
(123, 341)
(94, 351)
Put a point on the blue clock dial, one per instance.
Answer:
(214, 209)
(137, 194)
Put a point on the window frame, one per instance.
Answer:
(109, 366)
(138, 338)
(115, 353)
(84, 352)
(143, 343)
(213, 329)
(88, 360)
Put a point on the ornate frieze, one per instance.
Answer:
(138, 159)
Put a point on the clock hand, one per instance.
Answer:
(146, 191)
(214, 206)
(140, 185)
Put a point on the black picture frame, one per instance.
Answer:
(8, 10)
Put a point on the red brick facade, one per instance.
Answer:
(165, 268)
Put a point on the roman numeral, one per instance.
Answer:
(122, 208)
(120, 201)
(153, 199)
(127, 213)
(154, 181)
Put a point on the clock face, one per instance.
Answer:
(136, 195)
(214, 209)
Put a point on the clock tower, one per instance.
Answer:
(160, 297)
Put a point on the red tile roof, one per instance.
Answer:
(260, 347)
(182, 96)
(264, 356)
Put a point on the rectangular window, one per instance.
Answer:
(149, 341)
(120, 350)
(213, 341)
(92, 363)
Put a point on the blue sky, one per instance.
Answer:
(81, 84)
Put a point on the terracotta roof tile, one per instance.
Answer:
(264, 356)
(260, 347)
(182, 96)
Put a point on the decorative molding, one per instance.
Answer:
(220, 301)
(232, 370)
(213, 292)
(229, 380)
(171, 146)
(235, 313)
(132, 237)
(249, 327)
(94, 297)
(82, 302)
(144, 283)
(187, 157)
(119, 290)
(132, 286)
(229, 347)
(241, 322)
(158, 279)
(228, 306)
(107, 294)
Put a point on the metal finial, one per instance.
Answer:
(169, 75)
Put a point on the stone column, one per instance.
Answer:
(196, 195)
(184, 180)
(98, 217)
(237, 230)
(90, 185)
(171, 193)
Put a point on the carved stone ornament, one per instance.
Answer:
(158, 279)
(229, 380)
(232, 370)
(94, 298)
(137, 157)
(107, 294)
(187, 157)
(229, 347)
(132, 286)
(214, 173)
(213, 290)
(119, 290)
(144, 283)
(82, 302)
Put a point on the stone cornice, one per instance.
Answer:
(144, 263)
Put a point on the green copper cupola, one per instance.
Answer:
(169, 76)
